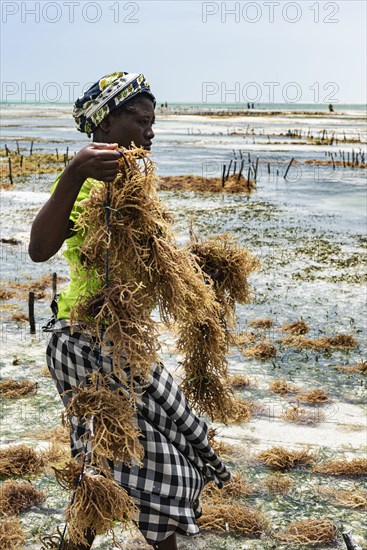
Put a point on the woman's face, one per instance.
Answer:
(123, 127)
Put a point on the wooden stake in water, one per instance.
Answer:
(32, 323)
(31, 149)
(289, 165)
(54, 284)
(256, 167)
(10, 172)
(223, 175)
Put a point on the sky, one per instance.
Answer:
(189, 50)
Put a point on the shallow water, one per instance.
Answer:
(309, 235)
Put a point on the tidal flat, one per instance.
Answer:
(308, 232)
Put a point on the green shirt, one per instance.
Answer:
(81, 284)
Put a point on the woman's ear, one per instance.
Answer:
(104, 126)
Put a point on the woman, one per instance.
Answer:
(178, 461)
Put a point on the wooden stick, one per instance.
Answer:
(256, 167)
(241, 168)
(54, 284)
(18, 150)
(10, 172)
(31, 149)
(32, 323)
(289, 165)
(223, 175)
(229, 168)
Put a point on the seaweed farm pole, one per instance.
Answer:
(18, 150)
(57, 154)
(289, 165)
(248, 174)
(256, 167)
(229, 168)
(54, 284)
(223, 175)
(240, 172)
(10, 173)
(268, 167)
(31, 149)
(32, 323)
(7, 151)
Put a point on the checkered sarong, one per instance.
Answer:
(178, 459)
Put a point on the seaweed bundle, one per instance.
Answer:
(130, 251)
(230, 265)
(97, 502)
(115, 434)
(146, 265)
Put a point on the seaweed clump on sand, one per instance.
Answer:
(16, 497)
(189, 182)
(359, 368)
(237, 487)
(262, 350)
(278, 458)
(277, 484)
(233, 517)
(282, 387)
(295, 327)
(20, 460)
(310, 532)
(11, 534)
(220, 447)
(265, 323)
(297, 414)
(313, 397)
(12, 388)
(339, 341)
(348, 468)
(239, 381)
(355, 499)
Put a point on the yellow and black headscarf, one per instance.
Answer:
(105, 96)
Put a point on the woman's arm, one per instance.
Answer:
(52, 225)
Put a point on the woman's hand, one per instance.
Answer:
(97, 160)
(52, 225)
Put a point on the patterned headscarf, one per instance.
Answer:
(105, 96)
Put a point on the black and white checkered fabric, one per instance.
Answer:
(178, 459)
